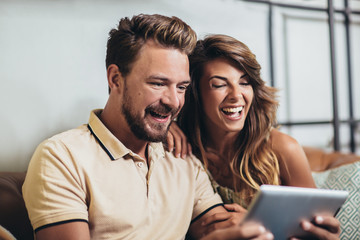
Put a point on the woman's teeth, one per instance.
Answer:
(232, 110)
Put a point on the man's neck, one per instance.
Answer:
(118, 127)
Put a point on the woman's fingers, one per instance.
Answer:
(177, 141)
(325, 227)
(170, 140)
(328, 222)
(174, 140)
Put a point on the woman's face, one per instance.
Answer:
(226, 96)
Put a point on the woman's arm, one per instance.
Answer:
(294, 166)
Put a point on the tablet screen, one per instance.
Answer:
(281, 208)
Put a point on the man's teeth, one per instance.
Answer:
(158, 115)
(233, 110)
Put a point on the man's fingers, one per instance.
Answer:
(248, 231)
(233, 207)
(256, 231)
(216, 218)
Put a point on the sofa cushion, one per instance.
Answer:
(13, 215)
(345, 177)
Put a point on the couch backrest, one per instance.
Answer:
(13, 214)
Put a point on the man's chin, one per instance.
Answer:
(157, 137)
(152, 135)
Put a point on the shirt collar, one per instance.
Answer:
(112, 146)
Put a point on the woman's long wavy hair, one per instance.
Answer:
(254, 162)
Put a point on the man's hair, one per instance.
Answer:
(127, 39)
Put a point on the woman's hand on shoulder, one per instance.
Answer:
(324, 227)
(176, 141)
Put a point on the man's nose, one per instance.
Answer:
(170, 97)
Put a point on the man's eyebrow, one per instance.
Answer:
(158, 77)
(166, 79)
(186, 82)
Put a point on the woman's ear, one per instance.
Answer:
(115, 78)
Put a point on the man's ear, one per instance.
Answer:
(115, 78)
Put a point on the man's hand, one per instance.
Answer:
(240, 232)
(220, 220)
(325, 228)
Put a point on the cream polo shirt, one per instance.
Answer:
(87, 174)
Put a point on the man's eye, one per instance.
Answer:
(183, 87)
(157, 84)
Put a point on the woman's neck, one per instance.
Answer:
(223, 143)
(220, 150)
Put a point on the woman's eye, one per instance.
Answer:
(218, 85)
(244, 83)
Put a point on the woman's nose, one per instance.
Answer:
(236, 93)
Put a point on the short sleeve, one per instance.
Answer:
(205, 196)
(53, 189)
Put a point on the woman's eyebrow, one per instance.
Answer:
(244, 75)
(224, 78)
(220, 77)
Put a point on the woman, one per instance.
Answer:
(229, 118)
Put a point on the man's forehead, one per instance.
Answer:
(162, 62)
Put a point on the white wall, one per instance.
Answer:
(52, 60)
(52, 54)
(304, 74)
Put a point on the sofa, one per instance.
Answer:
(14, 218)
(13, 214)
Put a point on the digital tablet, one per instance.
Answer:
(280, 209)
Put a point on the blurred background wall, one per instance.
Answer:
(52, 63)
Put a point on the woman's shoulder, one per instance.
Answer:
(285, 147)
(281, 142)
(294, 166)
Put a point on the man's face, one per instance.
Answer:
(154, 91)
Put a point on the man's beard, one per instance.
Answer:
(137, 123)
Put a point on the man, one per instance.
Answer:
(111, 178)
